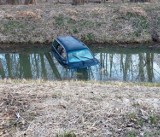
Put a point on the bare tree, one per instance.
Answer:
(140, 0)
(78, 2)
(14, 2)
(30, 2)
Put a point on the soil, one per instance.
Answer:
(87, 109)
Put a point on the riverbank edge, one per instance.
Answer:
(111, 23)
(79, 107)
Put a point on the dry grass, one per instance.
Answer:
(90, 109)
(110, 22)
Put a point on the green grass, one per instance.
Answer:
(13, 24)
(66, 134)
(75, 30)
(86, 23)
(153, 119)
(132, 116)
(131, 134)
(152, 134)
(59, 20)
(88, 37)
(139, 23)
(75, 26)
(140, 122)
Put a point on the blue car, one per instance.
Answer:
(72, 53)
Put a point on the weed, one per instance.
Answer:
(12, 25)
(59, 20)
(135, 104)
(66, 134)
(94, 14)
(153, 119)
(130, 15)
(75, 30)
(54, 96)
(137, 33)
(131, 134)
(137, 120)
(89, 37)
(70, 21)
(86, 23)
(140, 122)
(117, 25)
(139, 23)
(132, 116)
(152, 134)
(98, 24)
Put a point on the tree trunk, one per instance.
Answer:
(13, 2)
(29, 2)
(139, 0)
(78, 2)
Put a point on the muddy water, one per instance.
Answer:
(116, 64)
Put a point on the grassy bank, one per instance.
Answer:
(80, 109)
(102, 23)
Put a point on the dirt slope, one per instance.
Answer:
(41, 108)
(109, 22)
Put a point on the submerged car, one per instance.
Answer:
(72, 53)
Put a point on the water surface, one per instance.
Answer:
(116, 64)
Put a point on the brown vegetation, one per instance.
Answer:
(111, 23)
(47, 108)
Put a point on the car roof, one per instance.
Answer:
(70, 43)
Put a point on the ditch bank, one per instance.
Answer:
(90, 109)
(95, 23)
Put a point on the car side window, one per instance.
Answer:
(61, 51)
(55, 44)
(59, 48)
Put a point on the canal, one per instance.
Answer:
(139, 64)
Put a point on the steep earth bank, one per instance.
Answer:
(102, 23)
(83, 109)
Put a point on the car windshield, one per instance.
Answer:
(79, 55)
